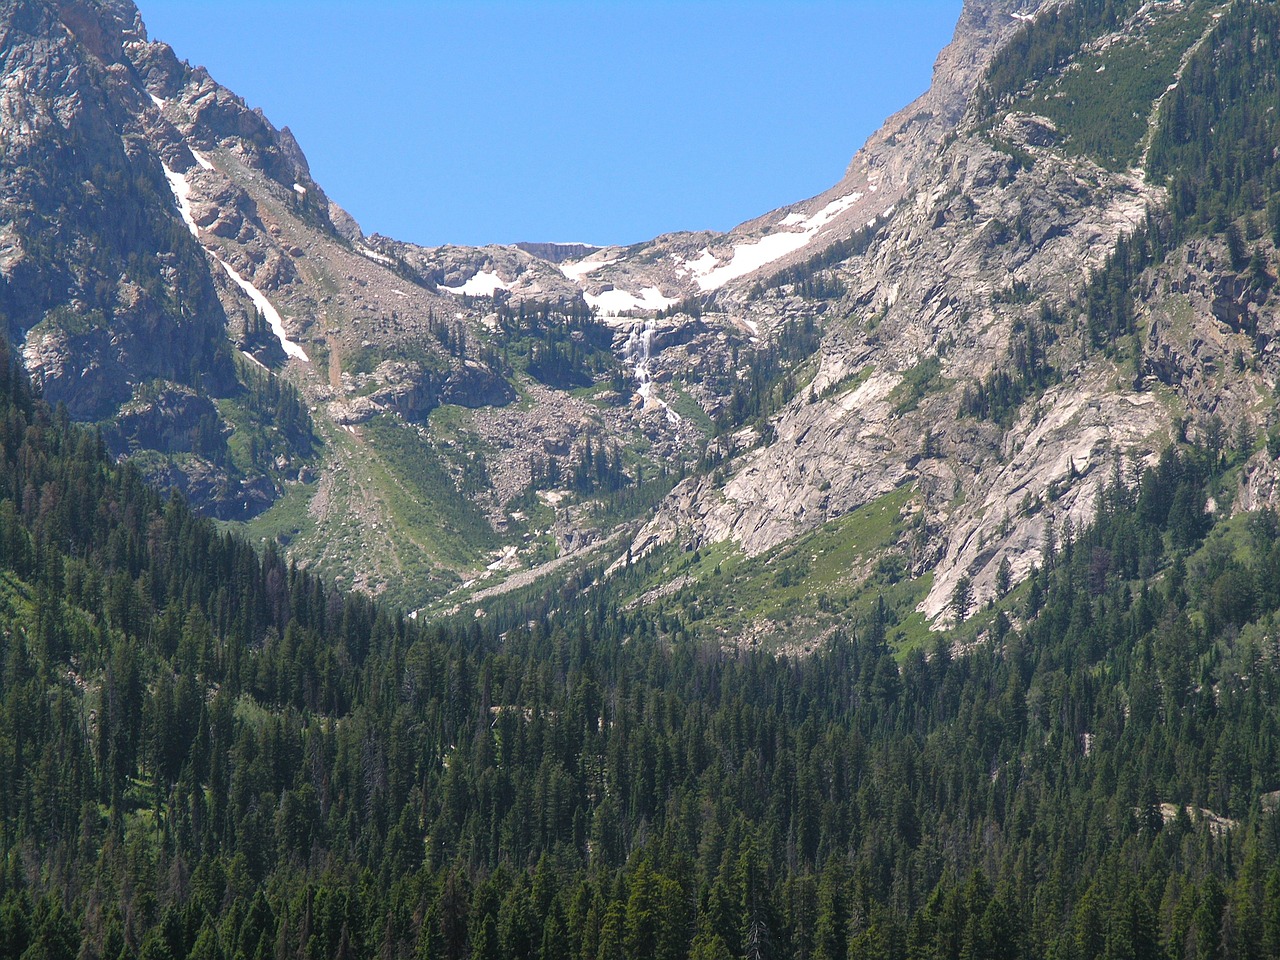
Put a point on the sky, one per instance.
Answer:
(611, 121)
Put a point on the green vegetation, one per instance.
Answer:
(636, 497)
(836, 576)
(688, 408)
(422, 495)
(1002, 392)
(1217, 132)
(561, 345)
(809, 279)
(365, 358)
(1103, 102)
(205, 752)
(849, 383)
(209, 753)
(269, 420)
(288, 519)
(1047, 44)
(761, 381)
(1215, 145)
(917, 383)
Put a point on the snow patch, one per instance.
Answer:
(252, 359)
(577, 269)
(704, 264)
(879, 217)
(273, 317)
(202, 160)
(613, 303)
(750, 257)
(483, 284)
(375, 255)
(182, 193)
(160, 104)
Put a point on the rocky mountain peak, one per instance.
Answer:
(558, 252)
(170, 265)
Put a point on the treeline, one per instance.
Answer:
(276, 420)
(1218, 129)
(1215, 145)
(593, 467)
(812, 279)
(1027, 370)
(597, 467)
(1046, 44)
(758, 382)
(562, 345)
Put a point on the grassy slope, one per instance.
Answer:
(792, 597)
(1103, 100)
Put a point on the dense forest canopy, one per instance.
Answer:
(210, 753)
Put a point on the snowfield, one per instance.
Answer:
(483, 284)
(747, 258)
(273, 317)
(613, 303)
(375, 255)
(182, 193)
(578, 269)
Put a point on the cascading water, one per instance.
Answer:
(639, 352)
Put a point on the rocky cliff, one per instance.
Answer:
(430, 421)
(997, 228)
(172, 271)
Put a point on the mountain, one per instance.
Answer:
(913, 596)
(952, 332)
(1077, 277)
(206, 752)
(173, 273)
(390, 442)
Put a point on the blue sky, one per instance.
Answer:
(492, 121)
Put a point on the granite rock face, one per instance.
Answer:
(98, 286)
(983, 229)
(160, 241)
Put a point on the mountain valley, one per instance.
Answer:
(894, 575)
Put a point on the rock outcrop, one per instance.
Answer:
(165, 252)
(994, 227)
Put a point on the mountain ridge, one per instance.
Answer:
(920, 601)
(782, 374)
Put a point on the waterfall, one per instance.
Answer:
(638, 351)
